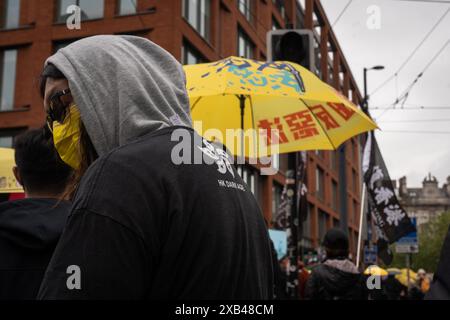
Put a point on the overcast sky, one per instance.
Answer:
(403, 26)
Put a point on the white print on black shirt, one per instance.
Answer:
(231, 184)
(220, 157)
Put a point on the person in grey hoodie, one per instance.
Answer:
(144, 225)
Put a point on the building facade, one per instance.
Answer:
(193, 31)
(426, 202)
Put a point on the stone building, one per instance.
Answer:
(426, 202)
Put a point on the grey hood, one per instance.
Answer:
(124, 86)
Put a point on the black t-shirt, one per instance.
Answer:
(145, 226)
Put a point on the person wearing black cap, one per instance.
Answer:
(337, 278)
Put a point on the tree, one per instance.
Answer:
(431, 238)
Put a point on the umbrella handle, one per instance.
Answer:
(242, 107)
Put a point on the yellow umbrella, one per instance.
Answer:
(393, 271)
(293, 107)
(375, 270)
(8, 183)
(403, 277)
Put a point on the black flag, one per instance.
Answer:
(391, 220)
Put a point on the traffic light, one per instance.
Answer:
(295, 45)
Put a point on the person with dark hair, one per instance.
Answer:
(31, 227)
(144, 222)
(337, 278)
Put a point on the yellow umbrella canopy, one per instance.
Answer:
(375, 270)
(393, 271)
(403, 277)
(291, 106)
(8, 183)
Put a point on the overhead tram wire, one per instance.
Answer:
(425, 1)
(342, 13)
(415, 132)
(412, 53)
(414, 108)
(416, 121)
(404, 97)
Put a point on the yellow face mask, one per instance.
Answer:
(66, 137)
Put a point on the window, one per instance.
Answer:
(61, 44)
(334, 160)
(245, 7)
(322, 225)
(190, 55)
(125, 7)
(354, 181)
(197, 13)
(275, 24)
(6, 141)
(245, 45)
(279, 4)
(336, 223)
(334, 195)
(10, 14)
(320, 192)
(8, 63)
(355, 212)
(90, 9)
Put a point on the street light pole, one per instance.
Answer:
(365, 109)
(365, 103)
(365, 100)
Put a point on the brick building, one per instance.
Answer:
(193, 31)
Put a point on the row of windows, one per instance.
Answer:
(245, 48)
(90, 9)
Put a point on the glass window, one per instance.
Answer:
(336, 223)
(125, 7)
(245, 7)
(9, 18)
(320, 191)
(322, 225)
(197, 13)
(6, 142)
(8, 63)
(90, 9)
(275, 24)
(354, 180)
(245, 46)
(60, 45)
(334, 160)
(334, 195)
(279, 4)
(190, 55)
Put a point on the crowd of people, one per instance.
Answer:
(338, 278)
(108, 214)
